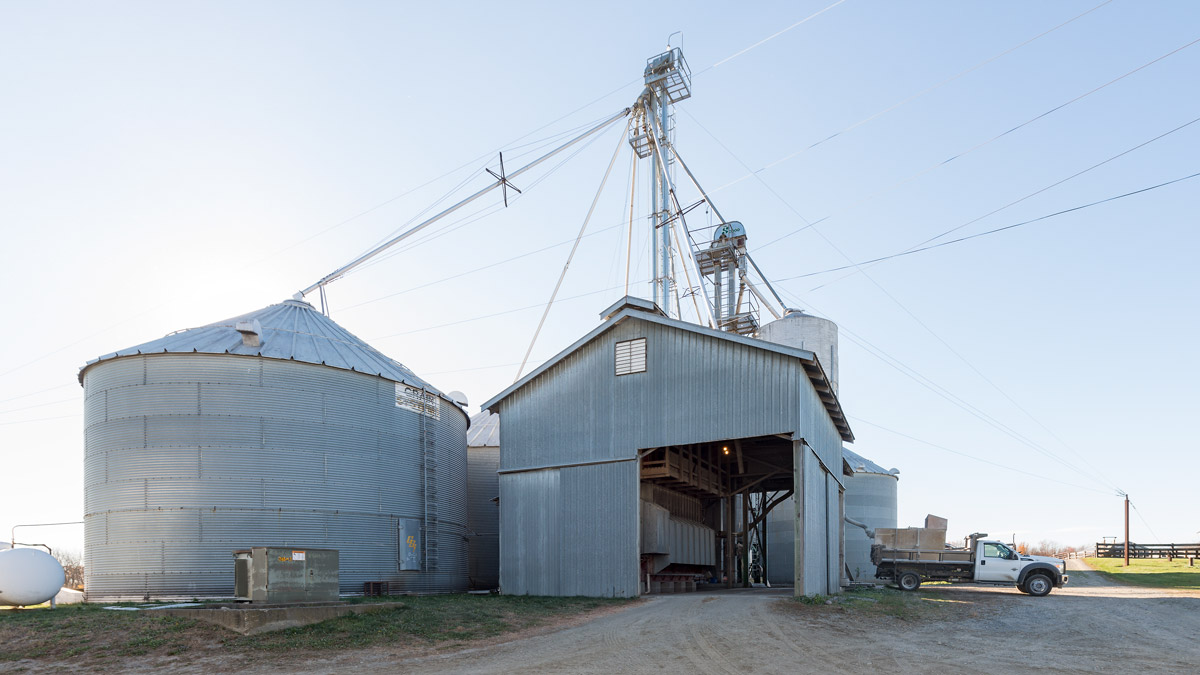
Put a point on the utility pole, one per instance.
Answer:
(1126, 530)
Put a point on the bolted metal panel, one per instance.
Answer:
(871, 500)
(483, 515)
(812, 333)
(191, 456)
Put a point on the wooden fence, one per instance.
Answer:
(1148, 550)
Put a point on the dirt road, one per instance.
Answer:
(1093, 625)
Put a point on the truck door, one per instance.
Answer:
(992, 563)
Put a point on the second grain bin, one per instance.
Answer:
(483, 493)
(275, 428)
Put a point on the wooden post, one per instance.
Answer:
(745, 538)
(729, 572)
(1126, 530)
(799, 460)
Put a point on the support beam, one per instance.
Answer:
(800, 461)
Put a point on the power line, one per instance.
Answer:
(770, 37)
(929, 89)
(40, 405)
(1139, 515)
(946, 394)
(914, 317)
(964, 153)
(1018, 201)
(495, 314)
(41, 419)
(912, 251)
(40, 391)
(977, 459)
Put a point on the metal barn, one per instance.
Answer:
(276, 428)
(483, 489)
(629, 459)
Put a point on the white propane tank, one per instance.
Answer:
(29, 577)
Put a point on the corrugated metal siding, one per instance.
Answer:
(822, 522)
(483, 516)
(697, 388)
(190, 456)
(570, 531)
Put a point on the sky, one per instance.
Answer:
(164, 166)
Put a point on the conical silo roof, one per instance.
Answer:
(861, 464)
(484, 431)
(291, 330)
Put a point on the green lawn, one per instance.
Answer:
(88, 635)
(1153, 572)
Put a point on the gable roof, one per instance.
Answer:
(636, 309)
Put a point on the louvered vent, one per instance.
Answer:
(631, 356)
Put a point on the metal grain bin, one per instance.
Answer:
(871, 500)
(483, 490)
(276, 428)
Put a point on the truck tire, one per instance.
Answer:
(909, 581)
(1038, 585)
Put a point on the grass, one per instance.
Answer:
(91, 634)
(1152, 572)
(887, 603)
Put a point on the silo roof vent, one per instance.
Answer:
(251, 332)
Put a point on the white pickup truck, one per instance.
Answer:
(984, 561)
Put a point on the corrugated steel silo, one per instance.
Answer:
(483, 491)
(276, 428)
(871, 500)
(805, 331)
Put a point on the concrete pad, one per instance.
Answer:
(252, 619)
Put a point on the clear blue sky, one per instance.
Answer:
(168, 165)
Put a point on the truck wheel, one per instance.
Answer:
(909, 581)
(1038, 585)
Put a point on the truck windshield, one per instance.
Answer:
(995, 551)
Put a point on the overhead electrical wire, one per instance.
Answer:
(946, 394)
(1145, 522)
(976, 458)
(959, 155)
(40, 391)
(904, 308)
(496, 314)
(769, 38)
(73, 399)
(1039, 191)
(928, 90)
(571, 256)
(912, 251)
(40, 419)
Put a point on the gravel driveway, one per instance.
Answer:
(1092, 625)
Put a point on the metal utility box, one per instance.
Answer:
(275, 575)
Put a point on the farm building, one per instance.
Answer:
(628, 459)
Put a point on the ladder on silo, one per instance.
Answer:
(429, 469)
